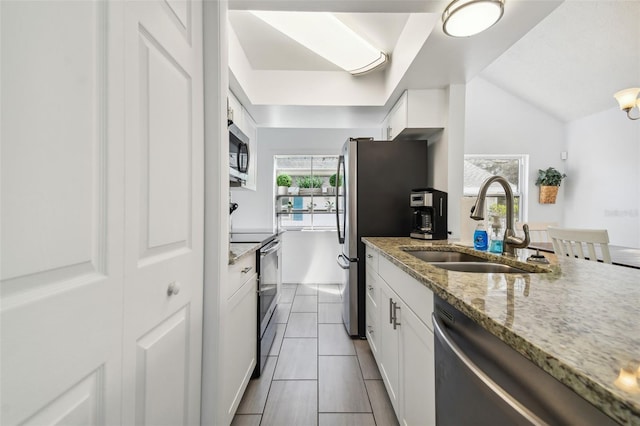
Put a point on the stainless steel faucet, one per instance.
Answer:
(511, 242)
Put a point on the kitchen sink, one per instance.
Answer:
(481, 267)
(445, 256)
(465, 262)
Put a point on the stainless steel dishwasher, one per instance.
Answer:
(482, 381)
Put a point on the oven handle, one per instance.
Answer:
(274, 246)
(440, 332)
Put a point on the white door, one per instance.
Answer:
(389, 344)
(62, 224)
(417, 364)
(164, 227)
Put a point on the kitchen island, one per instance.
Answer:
(580, 321)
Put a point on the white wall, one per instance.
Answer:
(603, 188)
(500, 123)
(307, 256)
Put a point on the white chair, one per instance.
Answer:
(537, 231)
(569, 242)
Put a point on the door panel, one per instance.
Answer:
(77, 406)
(163, 221)
(165, 138)
(162, 364)
(62, 202)
(389, 345)
(418, 371)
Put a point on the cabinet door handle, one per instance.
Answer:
(247, 269)
(390, 311)
(370, 287)
(369, 256)
(396, 308)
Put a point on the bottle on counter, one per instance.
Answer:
(495, 242)
(480, 238)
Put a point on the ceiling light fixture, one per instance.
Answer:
(464, 18)
(328, 37)
(629, 99)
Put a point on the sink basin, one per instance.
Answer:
(465, 262)
(445, 256)
(480, 267)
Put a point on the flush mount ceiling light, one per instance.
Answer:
(327, 36)
(629, 99)
(464, 18)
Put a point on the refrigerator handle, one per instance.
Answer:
(342, 264)
(344, 207)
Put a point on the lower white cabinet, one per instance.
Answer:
(417, 371)
(389, 343)
(239, 339)
(403, 342)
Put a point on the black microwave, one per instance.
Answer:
(238, 155)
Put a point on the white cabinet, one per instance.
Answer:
(417, 370)
(234, 111)
(239, 319)
(401, 339)
(389, 359)
(418, 114)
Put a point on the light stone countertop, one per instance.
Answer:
(239, 250)
(580, 321)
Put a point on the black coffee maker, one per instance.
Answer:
(429, 214)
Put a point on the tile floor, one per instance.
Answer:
(315, 373)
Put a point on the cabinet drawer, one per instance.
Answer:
(372, 326)
(371, 256)
(240, 272)
(372, 284)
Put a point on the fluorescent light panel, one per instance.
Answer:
(328, 37)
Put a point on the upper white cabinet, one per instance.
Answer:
(418, 114)
(235, 111)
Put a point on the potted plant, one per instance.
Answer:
(284, 182)
(329, 204)
(310, 185)
(334, 182)
(549, 181)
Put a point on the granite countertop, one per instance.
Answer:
(580, 321)
(239, 250)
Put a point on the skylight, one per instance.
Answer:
(328, 37)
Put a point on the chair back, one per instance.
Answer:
(571, 242)
(537, 231)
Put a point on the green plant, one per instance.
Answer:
(309, 182)
(332, 180)
(284, 180)
(549, 177)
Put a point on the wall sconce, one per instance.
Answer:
(464, 18)
(629, 99)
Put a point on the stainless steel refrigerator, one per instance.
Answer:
(377, 179)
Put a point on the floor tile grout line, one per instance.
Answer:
(373, 414)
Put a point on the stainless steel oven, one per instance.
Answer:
(269, 267)
(269, 277)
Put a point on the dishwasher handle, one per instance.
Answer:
(440, 332)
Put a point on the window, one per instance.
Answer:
(311, 202)
(514, 168)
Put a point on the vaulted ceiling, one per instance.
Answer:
(565, 58)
